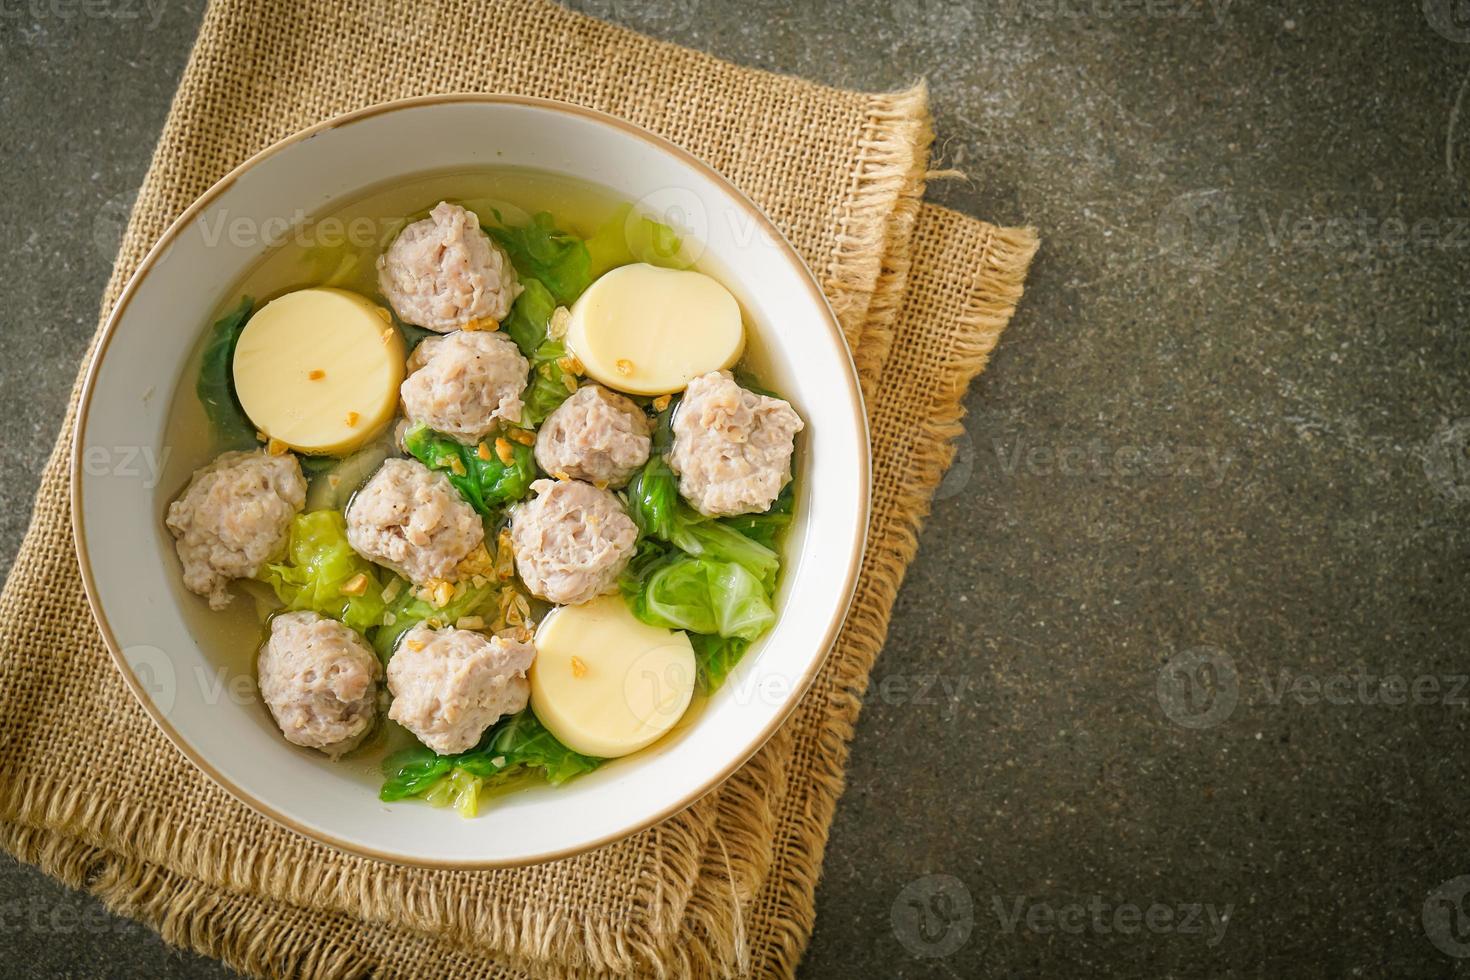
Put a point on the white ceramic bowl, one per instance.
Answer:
(132, 574)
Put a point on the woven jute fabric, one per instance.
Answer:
(91, 792)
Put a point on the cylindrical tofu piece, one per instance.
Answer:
(650, 331)
(319, 370)
(605, 683)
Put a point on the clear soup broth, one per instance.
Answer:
(338, 246)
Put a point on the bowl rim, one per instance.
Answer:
(798, 690)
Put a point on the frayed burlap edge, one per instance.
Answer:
(891, 149)
(64, 808)
(877, 219)
(188, 915)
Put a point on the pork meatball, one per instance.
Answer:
(411, 519)
(320, 681)
(595, 435)
(571, 541)
(732, 447)
(462, 384)
(233, 517)
(449, 685)
(442, 272)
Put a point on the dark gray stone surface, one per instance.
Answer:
(1175, 686)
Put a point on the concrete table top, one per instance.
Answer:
(1177, 684)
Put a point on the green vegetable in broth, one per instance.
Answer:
(458, 789)
(517, 745)
(700, 574)
(653, 498)
(413, 335)
(529, 316)
(528, 325)
(335, 480)
(501, 210)
(764, 528)
(407, 611)
(654, 505)
(522, 740)
(626, 238)
(703, 537)
(550, 384)
(486, 483)
(319, 565)
(666, 587)
(216, 385)
(313, 467)
(541, 251)
(653, 493)
(714, 658)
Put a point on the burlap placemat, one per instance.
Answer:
(92, 792)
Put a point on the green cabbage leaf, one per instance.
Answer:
(215, 385)
(515, 746)
(539, 250)
(488, 484)
(319, 562)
